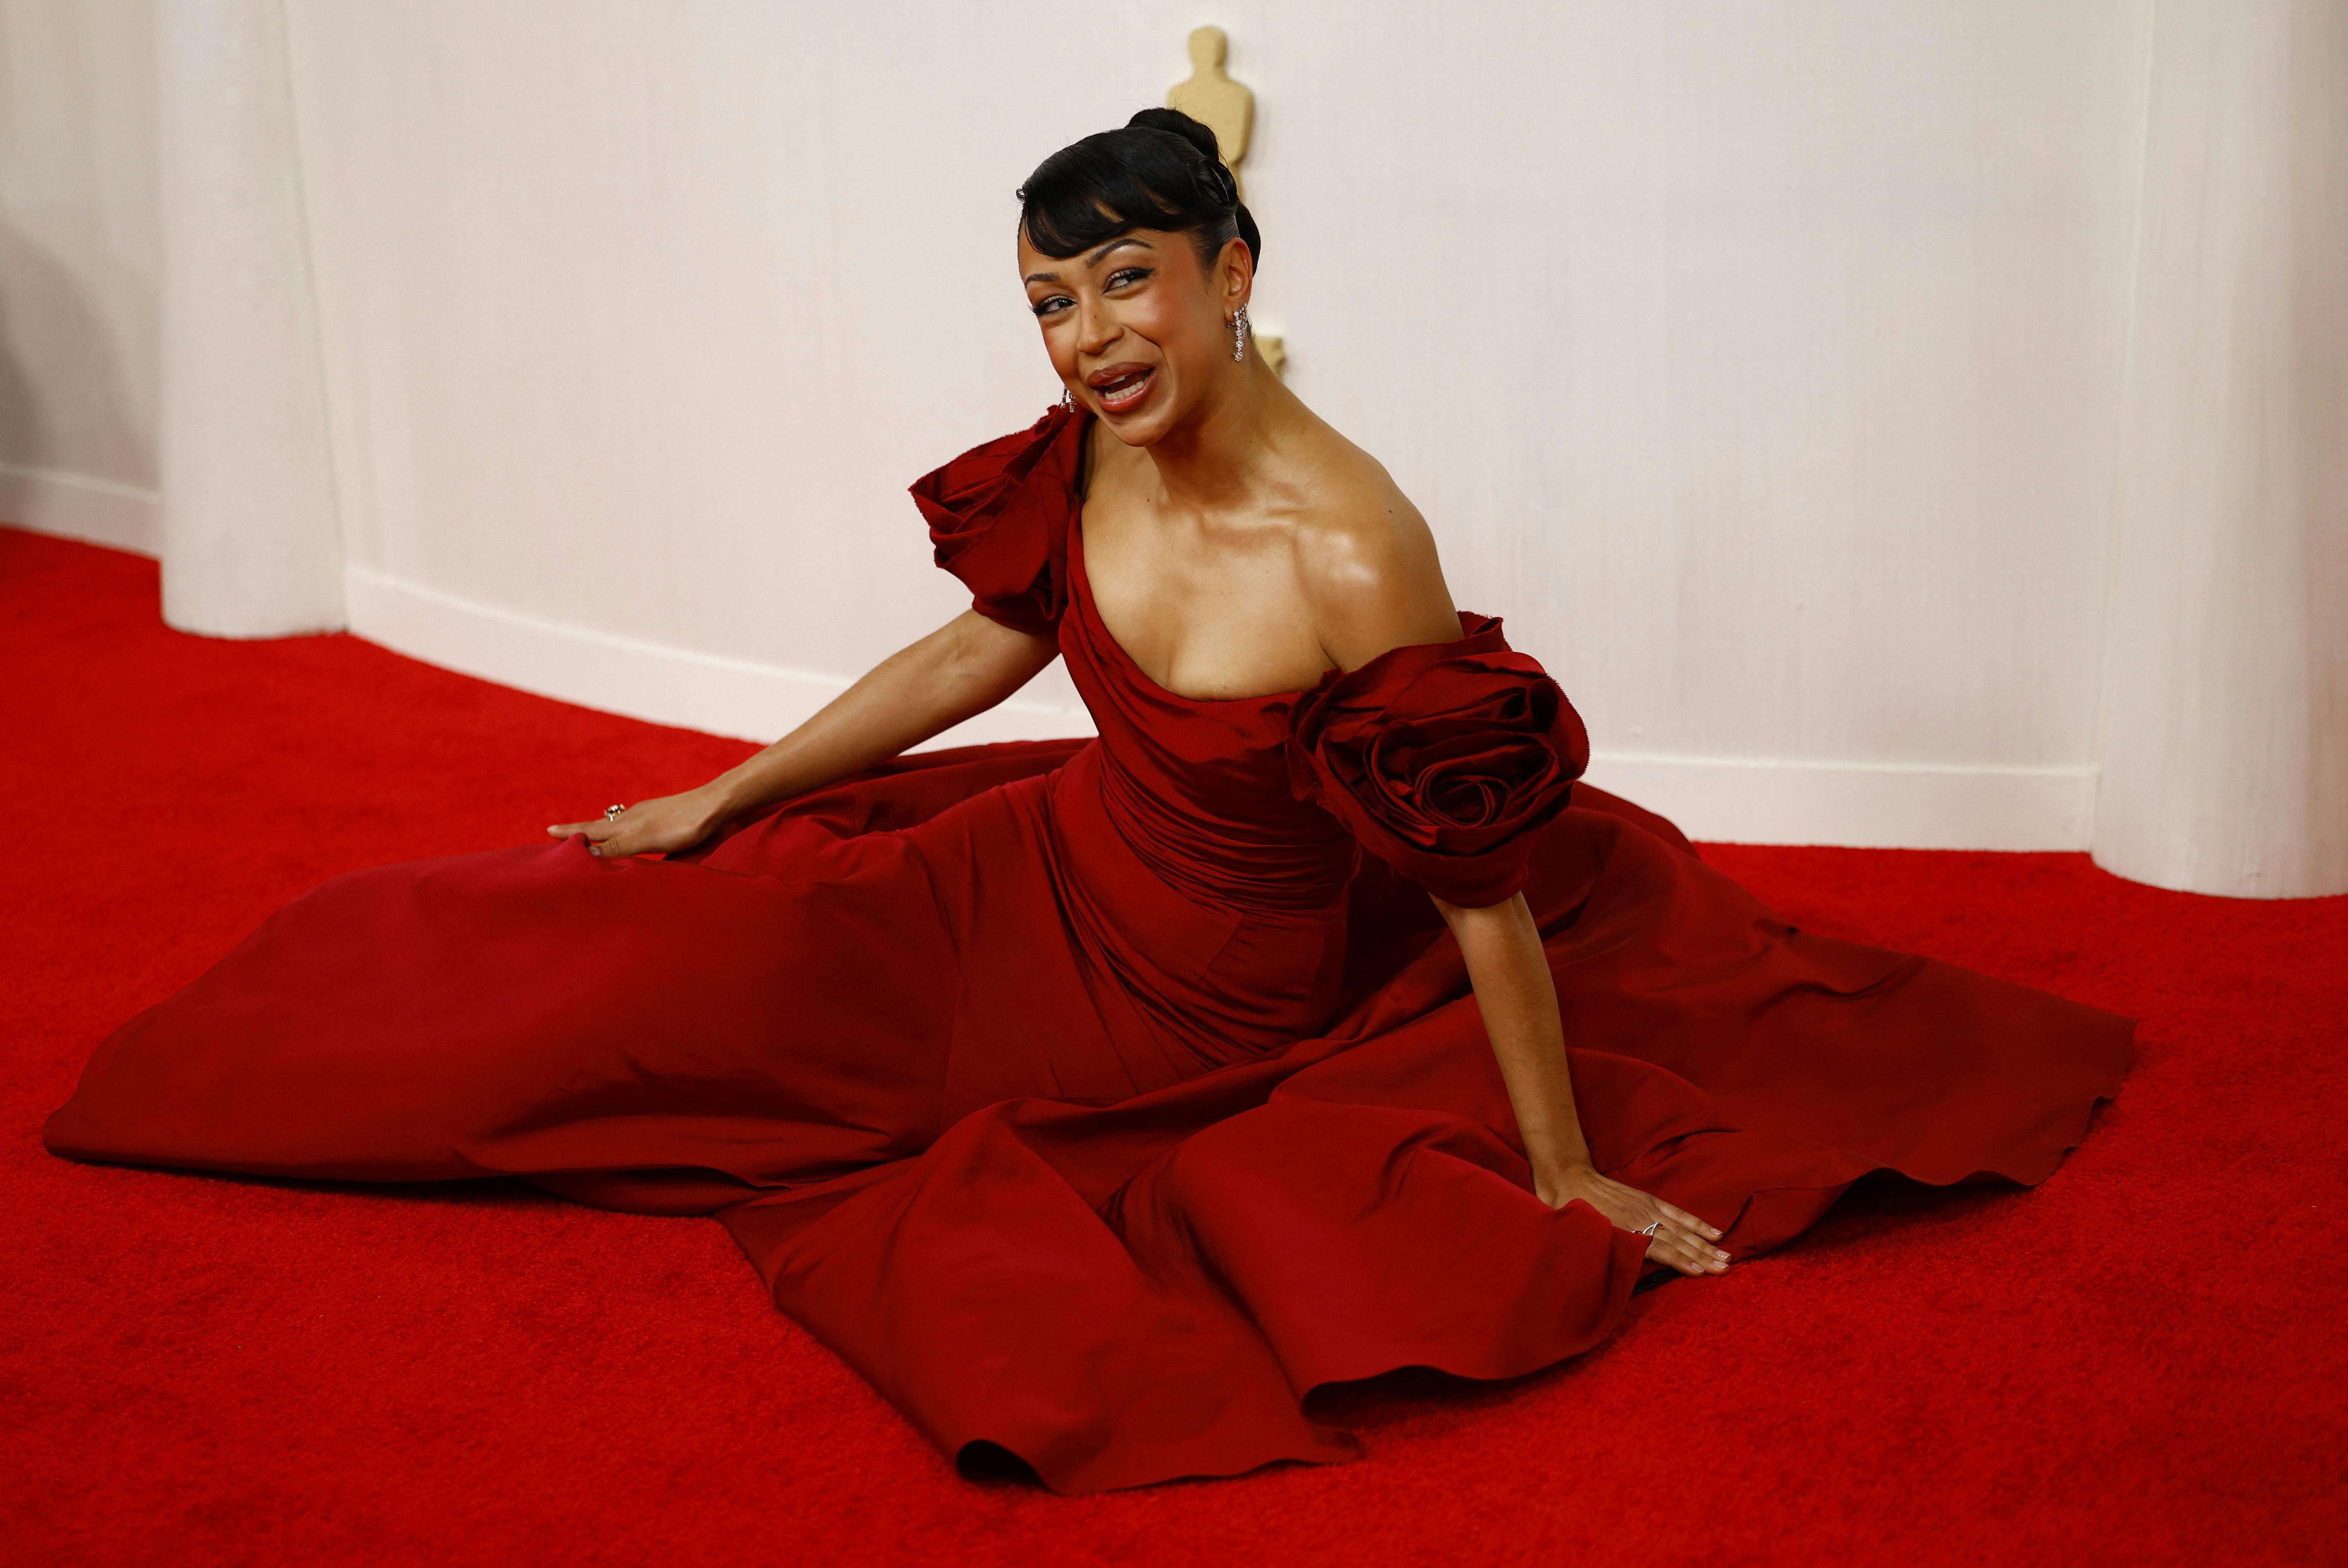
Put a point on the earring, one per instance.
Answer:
(1068, 400)
(1239, 334)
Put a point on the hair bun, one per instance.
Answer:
(1196, 134)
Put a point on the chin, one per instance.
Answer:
(1141, 428)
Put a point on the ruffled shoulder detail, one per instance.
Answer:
(1444, 759)
(998, 517)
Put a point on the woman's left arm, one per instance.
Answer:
(1519, 1001)
(1372, 582)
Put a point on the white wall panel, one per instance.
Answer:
(251, 545)
(2225, 719)
(78, 263)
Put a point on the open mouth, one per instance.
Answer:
(1121, 388)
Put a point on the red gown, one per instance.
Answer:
(1099, 1100)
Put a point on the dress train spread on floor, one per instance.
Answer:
(1100, 1100)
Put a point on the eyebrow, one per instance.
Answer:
(1093, 260)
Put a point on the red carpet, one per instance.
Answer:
(2140, 1361)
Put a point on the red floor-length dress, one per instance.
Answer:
(1099, 1100)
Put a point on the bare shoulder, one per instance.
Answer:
(1365, 559)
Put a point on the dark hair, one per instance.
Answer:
(1161, 171)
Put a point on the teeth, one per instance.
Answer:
(1116, 390)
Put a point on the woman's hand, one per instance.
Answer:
(1681, 1240)
(664, 823)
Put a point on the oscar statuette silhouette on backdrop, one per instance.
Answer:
(1228, 108)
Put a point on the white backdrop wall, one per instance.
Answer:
(80, 263)
(1761, 363)
(1765, 364)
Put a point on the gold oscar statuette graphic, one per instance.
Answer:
(1228, 108)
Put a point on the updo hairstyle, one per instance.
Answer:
(1161, 171)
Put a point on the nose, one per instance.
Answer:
(1097, 326)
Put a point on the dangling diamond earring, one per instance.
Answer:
(1068, 400)
(1239, 334)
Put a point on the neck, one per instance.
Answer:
(1212, 461)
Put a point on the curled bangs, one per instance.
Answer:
(1159, 172)
(1085, 195)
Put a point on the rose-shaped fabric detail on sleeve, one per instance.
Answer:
(1444, 759)
(998, 517)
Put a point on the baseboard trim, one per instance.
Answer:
(631, 675)
(76, 506)
(1890, 806)
(1754, 800)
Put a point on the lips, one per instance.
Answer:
(1121, 388)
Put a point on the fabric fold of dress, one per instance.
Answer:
(1099, 1100)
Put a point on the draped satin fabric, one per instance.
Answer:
(1100, 1100)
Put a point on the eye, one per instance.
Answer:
(1052, 305)
(1125, 276)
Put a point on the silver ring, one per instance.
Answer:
(612, 813)
(1650, 1229)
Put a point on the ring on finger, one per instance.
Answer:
(612, 813)
(1648, 1229)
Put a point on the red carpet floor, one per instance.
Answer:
(2140, 1361)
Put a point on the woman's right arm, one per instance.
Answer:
(962, 668)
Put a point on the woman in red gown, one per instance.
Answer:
(1100, 1100)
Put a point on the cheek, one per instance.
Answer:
(1059, 343)
(1170, 326)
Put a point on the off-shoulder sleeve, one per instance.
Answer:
(998, 517)
(1445, 760)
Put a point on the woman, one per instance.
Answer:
(1100, 1100)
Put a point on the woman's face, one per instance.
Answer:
(1137, 328)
